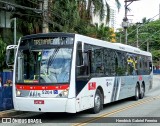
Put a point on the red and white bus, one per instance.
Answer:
(64, 72)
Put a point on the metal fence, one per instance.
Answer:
(156, 71)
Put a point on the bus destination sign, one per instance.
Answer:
(54, 41)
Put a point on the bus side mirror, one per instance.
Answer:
(10, 52)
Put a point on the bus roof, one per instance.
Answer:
(117, 46)
(89, 40)
(51, 34)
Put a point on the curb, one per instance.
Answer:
(12, 112)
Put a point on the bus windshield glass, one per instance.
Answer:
(41, 63)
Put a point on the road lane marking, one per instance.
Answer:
(116, 111)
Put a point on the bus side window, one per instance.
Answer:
(81, 61)
(79, 54)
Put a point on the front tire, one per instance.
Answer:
(98, 102)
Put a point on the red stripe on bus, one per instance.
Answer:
(140, 78)
(32, 87)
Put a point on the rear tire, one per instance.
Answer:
(137, 93)
(142, 92)
(98, 102)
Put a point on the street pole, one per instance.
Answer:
(126, 39)
(45, 17)
(15, 31)
(15, 34)
(159, 11)
(125, 19)
(120, 38)
(147, 46)
(125, 23)
(137, 36)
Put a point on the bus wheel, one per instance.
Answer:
(142, 92)
(97, 102)
(137, 94)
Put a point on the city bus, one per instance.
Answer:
(67, 72)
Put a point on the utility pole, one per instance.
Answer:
(15, 39)
(147, 46)
(15, 33)
(137, 36)
(45, 17)
(44, 6)
(120, 38)
(125, 22)
(159, 11)
(138, 33)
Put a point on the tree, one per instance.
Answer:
(148, 32)
(2, 54)
(28, 21)
(86, 9)
(64, 16)
(101, 32)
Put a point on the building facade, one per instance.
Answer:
(113, 12)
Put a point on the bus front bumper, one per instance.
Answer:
(45, 104)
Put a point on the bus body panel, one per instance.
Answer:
(122, 90)
(50, 105)
(114, 88)
(72, 91)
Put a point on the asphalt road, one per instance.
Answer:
(144, 112)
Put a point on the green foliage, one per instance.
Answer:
(2, 53)
(28, 21)
(73, 16)
(147, 32)
(156, 54)
(65, 16)
(120, 71)
(151, 33)
(101, 32)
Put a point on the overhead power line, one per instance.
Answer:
(151, 19)
(33, 2)
(21, 7)
(150, 37)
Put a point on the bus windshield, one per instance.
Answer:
(44, 65)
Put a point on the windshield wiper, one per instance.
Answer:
(52, 58)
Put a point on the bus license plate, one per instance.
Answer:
(38, 101)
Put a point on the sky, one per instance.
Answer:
(139, 10)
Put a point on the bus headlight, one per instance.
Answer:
(64, 94)
(18, 93)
